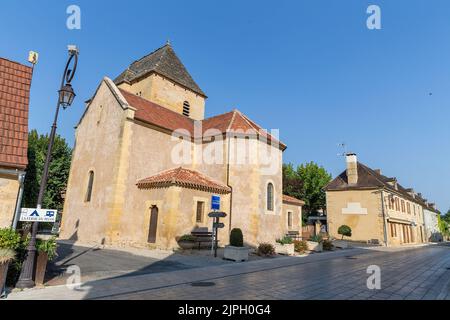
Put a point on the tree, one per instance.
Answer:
(345, 230)
(306, 183)
(58, 171)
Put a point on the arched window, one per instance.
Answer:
(89, 188)
(186, 109)
(270, 196)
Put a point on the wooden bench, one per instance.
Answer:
(202, 236)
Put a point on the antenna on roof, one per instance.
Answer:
(168, 42)
(33, 57)
(342, 145)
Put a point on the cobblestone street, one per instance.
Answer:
(413, 273)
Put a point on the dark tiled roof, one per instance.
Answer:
(15, 82)
(370, 179)
(185, 178)
(163, 61)
(230, 122)
(291, 200)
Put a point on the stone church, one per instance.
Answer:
(146, 164)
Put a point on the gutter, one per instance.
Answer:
(384, 219)
(228, 184)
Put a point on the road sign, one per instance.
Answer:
(218, 225)
(38, 215)
(215, 203)
(217, 214)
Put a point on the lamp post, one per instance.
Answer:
(65, 99)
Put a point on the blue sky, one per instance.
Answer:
(310, 68)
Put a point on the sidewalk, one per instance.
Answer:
(108, 288)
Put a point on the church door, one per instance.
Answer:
(153, 225)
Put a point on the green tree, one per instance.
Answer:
(58, 171)
(306, 183)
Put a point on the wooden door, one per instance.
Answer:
(152, 228)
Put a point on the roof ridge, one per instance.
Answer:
(370, 172)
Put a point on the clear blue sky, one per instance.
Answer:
(310, 68)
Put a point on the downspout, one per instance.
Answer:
(228, 184)
(21, 179)
(384, 219)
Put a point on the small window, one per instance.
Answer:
(289, 219)
(270, 196)
(186, 109)
(89, 188)
(200, 211)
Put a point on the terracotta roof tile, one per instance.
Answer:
(230, 122)
(184, 178)
(15, 81)
(292, 200)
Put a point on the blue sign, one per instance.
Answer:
(215, 203)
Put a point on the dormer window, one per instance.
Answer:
(186, 108)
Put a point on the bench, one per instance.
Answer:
(202, 236)
(294, 235)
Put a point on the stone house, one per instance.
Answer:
(377, 208)
(15, 82)
(146, 163)
(430, 214)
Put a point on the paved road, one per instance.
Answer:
(420, 273)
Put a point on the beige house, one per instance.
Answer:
(15, 82)
(146, 163)
(377, 208)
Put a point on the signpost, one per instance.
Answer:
(38, 215)
(215, 202)
(216, 215)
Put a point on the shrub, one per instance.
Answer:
(265, 249)
(47, 246)
(9, 239)
(327, 245)
(300, 246)
(316, 238)
(7, 255)
(284, 240)
(345, 230)
(187, 237)
(236, 238)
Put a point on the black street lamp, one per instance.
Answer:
(65, 99)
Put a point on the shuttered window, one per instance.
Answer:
(186, 109)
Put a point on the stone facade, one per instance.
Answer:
(432, 231)
(375, 207)
(9, 188)
(120, 149)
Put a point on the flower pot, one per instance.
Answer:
(235, 253)
(3, 272)
(340, 244)
(286, 249)
(315, 246)
(41, 267)
(186, 245)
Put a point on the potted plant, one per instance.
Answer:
(315, 243)
(285, 246)
(343, 230)
(265, 250)
(236, 250)
(300, 246)
(187, 241)
(9, 242)
(46, 251)
(6, 256)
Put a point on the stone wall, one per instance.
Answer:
(9, 188)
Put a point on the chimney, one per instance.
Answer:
(411, 192)
(352, 168)
(378, 171)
